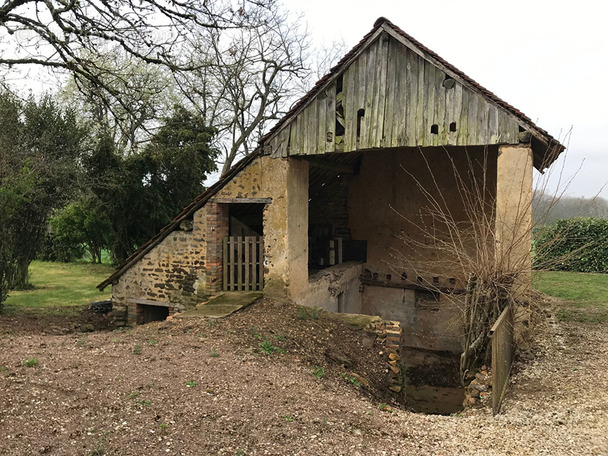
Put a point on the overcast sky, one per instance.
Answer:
(549, 59)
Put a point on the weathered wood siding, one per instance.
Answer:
(403, 95)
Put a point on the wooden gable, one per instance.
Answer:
(390, 93)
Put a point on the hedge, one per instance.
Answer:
(576, 244)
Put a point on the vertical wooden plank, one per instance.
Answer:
(321, 122)
(330, 118)
(454, 113)
(411, 82)
(349, 103)
(239, 243)
(370, 93)
(440, 107)
(493, 125)
(382, 89)
(261, 264)
(483, 113)
(363, 82)
(400, 99)
(421, 104)
(284, 138)
(472, 121)
(293, 140)
(247, 246)
(512, 130)
(463, 128)
(391, 88)
(254, 262)
(304, 130)
(231, 263)
(378, 93)
(429, 111)
(312, 128)
(225, 265)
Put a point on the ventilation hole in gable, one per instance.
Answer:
(453, 126)
(360, 115)
(435, 129)
(403, 276)
(448, 82)
(419, 279)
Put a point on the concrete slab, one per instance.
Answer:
(222, 305)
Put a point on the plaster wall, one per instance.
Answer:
(389, 205)
(426, 323)
(335, 289)
(186, 265)
(392, 197)
(514, 212)
(285, 181)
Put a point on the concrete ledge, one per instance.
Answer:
(148, 302)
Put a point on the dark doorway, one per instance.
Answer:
(246, 219)
(153, 313)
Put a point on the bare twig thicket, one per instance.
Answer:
(460, 241)
(75, 37)
(245, 78)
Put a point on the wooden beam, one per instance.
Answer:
(407, 285)
(330, 165)
(241, 200)
(148, 302)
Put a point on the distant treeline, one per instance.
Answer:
(547, 209)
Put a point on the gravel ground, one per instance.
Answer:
(198, 388)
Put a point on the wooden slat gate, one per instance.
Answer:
(243, 263)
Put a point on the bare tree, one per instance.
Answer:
(146, 94)
(245, 78)
(69, 35)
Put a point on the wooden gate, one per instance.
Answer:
(243, 263)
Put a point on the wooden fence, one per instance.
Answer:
(243, 263)
(502, 356)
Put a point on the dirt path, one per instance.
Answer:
(161, 389)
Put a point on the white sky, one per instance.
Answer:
(549, 59)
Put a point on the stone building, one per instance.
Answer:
(352, 200)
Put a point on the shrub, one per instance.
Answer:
(577, 244)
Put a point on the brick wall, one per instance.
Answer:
(218, 228)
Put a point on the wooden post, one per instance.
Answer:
(225, 265)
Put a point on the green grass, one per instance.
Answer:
(58, 285)
(584, 295)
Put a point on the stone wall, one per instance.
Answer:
(172, 272)
(387, 207)
(187, 265)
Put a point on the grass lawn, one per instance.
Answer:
(59, 286)
(585, 295)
